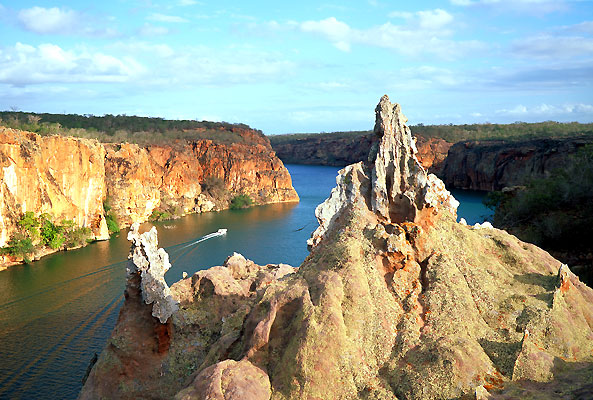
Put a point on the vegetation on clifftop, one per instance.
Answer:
(555, 212)
(456, 133)
(124, 128)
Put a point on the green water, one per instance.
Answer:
(57, 312)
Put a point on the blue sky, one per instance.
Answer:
(300, 66)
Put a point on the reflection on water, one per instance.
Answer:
(57, 312)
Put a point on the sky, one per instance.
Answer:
(300, 66)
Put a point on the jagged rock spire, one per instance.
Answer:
(393, 184)
(151, 263)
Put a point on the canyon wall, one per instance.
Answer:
(493, 165)
(326, 149)
(62, 176)
(186, 177)
(71, 177)
(395, 301)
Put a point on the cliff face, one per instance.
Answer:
(327, 150)
(395, 301)
(143, 179)
(69, 178)
(57, 175)
(494, 165)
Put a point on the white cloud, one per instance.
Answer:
(191, 65)
(527, 6)
(400, 14)
(427, 32)
(153, 30)
(339, 33)
(49, 20)
(62, 21)
(48, 63)
(585, 27)
(167, 18)
(548, 111)
(434, 19)
(189, 3)
(548, 46)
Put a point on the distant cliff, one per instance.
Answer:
(349, 147)
(493, 165)
(70, 178)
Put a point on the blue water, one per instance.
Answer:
(57, 312)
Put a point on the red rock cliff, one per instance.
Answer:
(192, 177)
(70, 177)
(63, 176)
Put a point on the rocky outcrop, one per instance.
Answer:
(53, 174)
(342, 150)
(395, 301)
(493, 165)
(71, 177)
(143, 179)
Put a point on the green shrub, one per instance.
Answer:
(19, 245)
(29, 224)
(241, 201)
(110, 218)
(158, 215)
(51, 234)
(112, 224)
(74, 235)
(556, 211)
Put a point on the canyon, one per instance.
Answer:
(395, 301)
(468, 164)
(71, 178)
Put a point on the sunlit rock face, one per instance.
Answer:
(395, 301)
(70, 178)
(171, 177)
(52, 174)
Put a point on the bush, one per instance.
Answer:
(159, 215)
(73, 235)
(556, 211)
(51, 234)
(110, 218)
(19, 246)
(241, 201)
(29, 224)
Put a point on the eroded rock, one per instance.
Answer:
(151, 263)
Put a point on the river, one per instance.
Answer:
(57, 312)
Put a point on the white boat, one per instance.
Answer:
(221, 231)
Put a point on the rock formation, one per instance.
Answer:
(143, 179)
(395, 301)
(71, 177)
(53, 174)
(339, 151)
(494, 165)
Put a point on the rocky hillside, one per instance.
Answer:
(493, 165)
(70, 178)
(395, 301)
(468, 164)
(341, 150)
